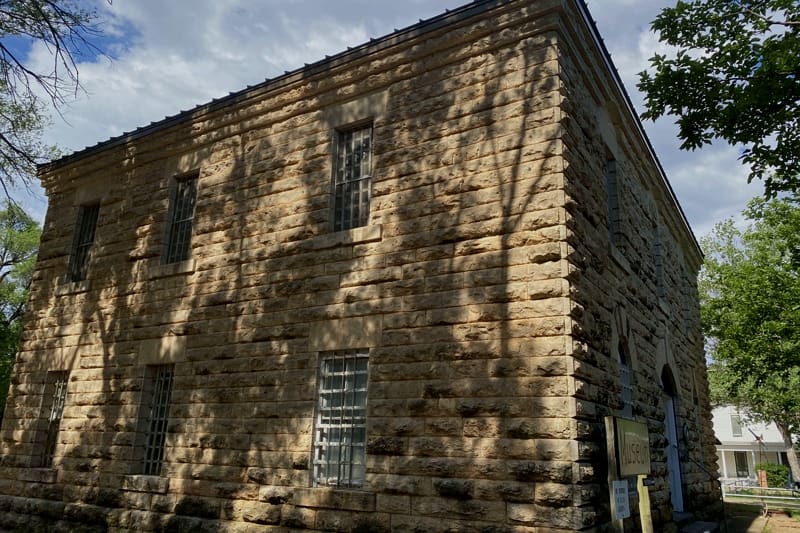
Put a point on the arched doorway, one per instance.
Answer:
(671, 431)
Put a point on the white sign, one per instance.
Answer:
(622, 508)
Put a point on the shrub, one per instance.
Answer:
(777, 475)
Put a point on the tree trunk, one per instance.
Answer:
(794, 464)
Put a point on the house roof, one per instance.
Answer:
(449, 17)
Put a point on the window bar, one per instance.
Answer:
(84, 238)
(351, 178)
(343, 422)
(336, 438)
(54, 420)
(157, 423)
(351, 441)
(182, 218)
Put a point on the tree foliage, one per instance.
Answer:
(19, 242)
(65, 28)
(735, 76)
(750, 307)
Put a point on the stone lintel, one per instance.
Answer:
(346, 333)
(162, 351)
(327, 498)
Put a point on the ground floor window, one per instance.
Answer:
(55, 396)
(341, 420)
(742, 470)
(153, 417)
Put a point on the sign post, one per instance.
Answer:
(628, 455)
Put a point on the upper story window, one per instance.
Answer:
(179, 236)
(626, 380)
(83, 241)
(612, 189)
(658, 264)
(352, 178)
(736, 425)
(341, 422)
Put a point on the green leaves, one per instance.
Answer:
(750, 310)
(66, 29)
(735, 76)
(19, 242)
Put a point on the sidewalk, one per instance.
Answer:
(748, 519)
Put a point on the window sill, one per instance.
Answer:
(143, 483)
(172, 269)
(329, 498)
(73, 287)
(358, 235)
(38, 475)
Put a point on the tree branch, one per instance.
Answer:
(771, 22)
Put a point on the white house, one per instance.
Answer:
(742, 444)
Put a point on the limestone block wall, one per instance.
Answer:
(457, 286)
(634, 292)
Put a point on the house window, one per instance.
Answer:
(153, 416)
(736, 425)
(612, 189)
(82, 241)
(341, 421)
(740, 458)
(352, 178)
(179, 237)
(55, 395)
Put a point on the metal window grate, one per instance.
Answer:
(341, 422)
(626, 380)
(158, 388)
(58, 380)
(612, 189)
(180, 229)
(658, 261)
(352, 180)
(84, 238)
(627, 390)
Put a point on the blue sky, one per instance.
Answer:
(170, 56)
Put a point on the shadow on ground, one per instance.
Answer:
(750, 519)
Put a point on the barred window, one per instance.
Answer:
(658, 264)
(55, 396)
(341, 421)
(153, 417)
(612, 190)
(626, 381)
(352, 178)
(179, 238)
(83, 241)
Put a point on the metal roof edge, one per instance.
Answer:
(587, 17)
(442, 20)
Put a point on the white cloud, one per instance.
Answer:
(175, 55)
(711, 183)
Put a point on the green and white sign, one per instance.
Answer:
(633, 447)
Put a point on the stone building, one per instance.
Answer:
(395, 290)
